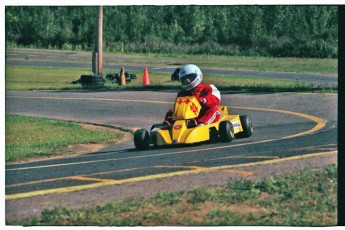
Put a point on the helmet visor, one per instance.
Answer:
(187, 79)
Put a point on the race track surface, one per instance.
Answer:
(287, 128)
(291, 132)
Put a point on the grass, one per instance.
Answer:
(31, 78)
(307, 198)
(301, 65)
(52, 78)
(49, 78)
(29, 138)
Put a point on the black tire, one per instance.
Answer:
(86, 80)
(109, 77)
(213, 135)
(247, 127)
(226, 131)
(90, 80)
(141, 139)
(97, 81)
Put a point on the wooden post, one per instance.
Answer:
(123, 76)
(100, 40)
(94, 63)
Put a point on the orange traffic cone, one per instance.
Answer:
(146, 80)
(123, 77)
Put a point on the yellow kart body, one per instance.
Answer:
(187, 108)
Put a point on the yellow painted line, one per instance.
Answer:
(36, 182)
(71, 177)
(263, 157)
(97, 185)
(61, 165)
(320, 123)
(179, 166)
(243, 157)
(89, 179)
(136, 157)
(160, 176)
(274, 161)
(205, 169)
(318, 147)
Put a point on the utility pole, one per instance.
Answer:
(97, 56)
(100, 40)
(341, 123)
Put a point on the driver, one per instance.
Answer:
(208, 96)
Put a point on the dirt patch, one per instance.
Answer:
(84, 148)
(79, 149)
(98, 127)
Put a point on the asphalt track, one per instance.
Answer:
(288, 129)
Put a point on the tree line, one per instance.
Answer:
(278, 31)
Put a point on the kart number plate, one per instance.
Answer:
(176, 127)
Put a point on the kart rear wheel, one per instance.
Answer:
(141, 139)
(247, 127)
(214, 137)
(226, 131)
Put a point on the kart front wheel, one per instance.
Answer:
(226, 131)
(141, 139)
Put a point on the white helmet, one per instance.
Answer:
(190, 77)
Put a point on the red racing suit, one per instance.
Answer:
(209, 98)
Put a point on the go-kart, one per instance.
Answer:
(228, 127)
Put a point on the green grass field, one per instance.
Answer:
(51, 78)
(298, 65)
(57, 78)
(307, 198)
(30, 138)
